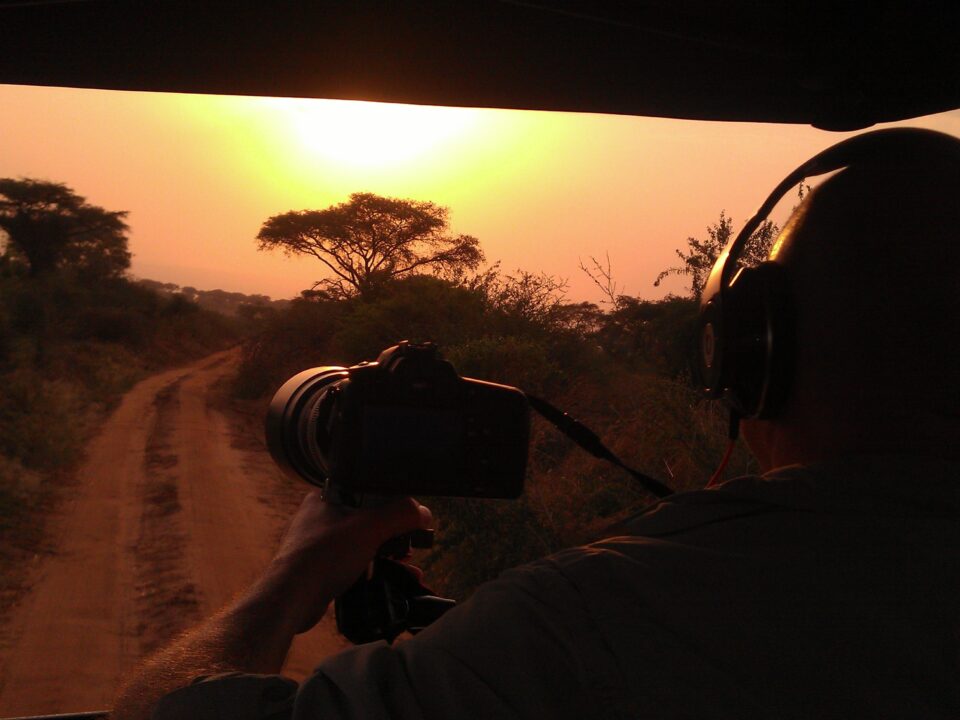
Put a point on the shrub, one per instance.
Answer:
(294, 339)
(521, 361)
(7, 343)
(478, 539)
(42, 422)
(418, 308)
(112, 324)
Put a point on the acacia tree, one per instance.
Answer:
(370, 240)
(702, 254)
(48, 226)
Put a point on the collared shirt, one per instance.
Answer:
(827, 591)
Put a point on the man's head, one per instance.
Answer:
(873, 256)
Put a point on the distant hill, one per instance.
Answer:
(233, 304)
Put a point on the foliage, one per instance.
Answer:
(23, 496)
(290, 341)
(644, 335)
(658, 425)
(463, 316)
(525, 297)
(658, 336)
(420, 307)
(37, 420)
(701, 255)
(370, 240)
(49, 227)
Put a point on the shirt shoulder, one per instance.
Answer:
(523, 646)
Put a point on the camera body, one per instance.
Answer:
(406, 424)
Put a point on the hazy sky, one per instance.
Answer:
(199, 175)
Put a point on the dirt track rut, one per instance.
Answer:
(173, 513)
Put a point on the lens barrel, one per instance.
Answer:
(406, 424)
(293, 423)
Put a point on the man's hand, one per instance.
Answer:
(324, 551)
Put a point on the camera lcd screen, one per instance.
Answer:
(403, 445)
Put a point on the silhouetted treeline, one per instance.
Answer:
(234, 304)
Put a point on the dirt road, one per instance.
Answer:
(175, 511)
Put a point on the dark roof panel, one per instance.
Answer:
(850, 66)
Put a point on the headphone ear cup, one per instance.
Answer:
(708, 349)
(759, 341)
(748, 324)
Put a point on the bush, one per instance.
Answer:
(478, 539)
(42, 422)
(68, 350)
(521, 361)
(418, 308)
(22, 491)
(293, 340)
(112, 324)
(657, 336)
(7, 343)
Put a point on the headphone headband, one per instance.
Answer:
(852, 151)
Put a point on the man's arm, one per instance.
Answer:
(325, 550)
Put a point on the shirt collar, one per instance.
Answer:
(875, 484)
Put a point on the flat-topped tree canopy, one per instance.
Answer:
(839, 65)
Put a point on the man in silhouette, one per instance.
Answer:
(827, 587)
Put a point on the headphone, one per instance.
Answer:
(747, 321)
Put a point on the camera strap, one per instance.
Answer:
(589, 441)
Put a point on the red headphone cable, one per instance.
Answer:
(715, 478)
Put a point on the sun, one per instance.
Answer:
(371, 135)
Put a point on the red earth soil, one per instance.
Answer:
(176, 509)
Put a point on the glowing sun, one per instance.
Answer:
(365, 134)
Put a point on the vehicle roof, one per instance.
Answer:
(840, 65)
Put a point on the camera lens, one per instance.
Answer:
(296, 420)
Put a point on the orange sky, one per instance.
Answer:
(199, 174)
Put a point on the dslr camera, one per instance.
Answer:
(405, 424)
